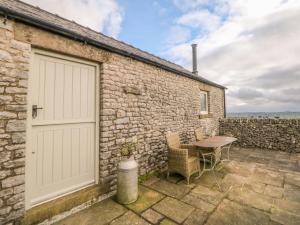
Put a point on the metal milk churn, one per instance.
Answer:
(127, 181)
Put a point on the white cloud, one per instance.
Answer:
(178, 34)
(100, 15)
(246, 93)
(255, 50)
(201, 19)
(189, 4)
(161, 10)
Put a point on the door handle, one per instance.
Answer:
(34, 110)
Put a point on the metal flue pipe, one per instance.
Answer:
(194, 50)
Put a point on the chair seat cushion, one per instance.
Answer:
(192, 159)
(193, 164)
(208, 150)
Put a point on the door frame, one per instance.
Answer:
(28, 145)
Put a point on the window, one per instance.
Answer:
(203, 103)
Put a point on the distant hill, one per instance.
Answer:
(281, 115)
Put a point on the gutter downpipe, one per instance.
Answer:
(224, 103)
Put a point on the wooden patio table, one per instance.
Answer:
(216, 142)
(208, 149)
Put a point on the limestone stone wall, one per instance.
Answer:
(271, 134)
(14, 67)
(138, 102)
(141, 103)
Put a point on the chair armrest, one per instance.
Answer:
(192, 149)
(189, 146)
(178, 152)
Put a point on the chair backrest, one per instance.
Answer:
(199, 134)
(213, 133)
(173, 140)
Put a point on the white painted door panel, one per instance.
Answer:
(62, 154)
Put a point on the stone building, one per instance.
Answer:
(69, 97)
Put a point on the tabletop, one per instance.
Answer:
(215, 142)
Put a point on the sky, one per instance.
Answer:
(250, 46)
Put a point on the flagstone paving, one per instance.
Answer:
(152, 216)
(230, 212)
(129, 218)
(198, 203)
(198, 216)
(174, 209)
(147, 198)
(99, 214)
(166, 221)
(171, 189)
(255, 187)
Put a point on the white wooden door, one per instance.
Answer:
(61, 155)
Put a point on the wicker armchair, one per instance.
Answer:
(182, 159)
(200, 134)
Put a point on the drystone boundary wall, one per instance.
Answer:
(271, 134)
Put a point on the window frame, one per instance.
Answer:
(206, 97)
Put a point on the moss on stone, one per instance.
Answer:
(146, 199)
(57, 206)
(147, 176)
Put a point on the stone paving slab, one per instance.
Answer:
(248, 197)
(129, 218)
(209, 179)
(174, 209)
(170, 189)
(273, 191)
(190, 185)
(152, 216)
(197, 217)
(231, 181)
(295, 156)
(284, 165)
(284, 217)
(289, 206)
(291, 187)
(293, 179)
(265, 154)
(291, 194)
(240, 168)
(98, 214)
(283, 155)
(256, 187)
(267, 177)
(232, 213)
(198, 203)
(237, 157)
(146, 199)
(151, 181)
(258, 160)
(212, 196)
(166, 221)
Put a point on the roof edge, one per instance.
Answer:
(72, 35)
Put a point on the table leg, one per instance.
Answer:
(228, 151)
(203, 170)
(205, 159)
